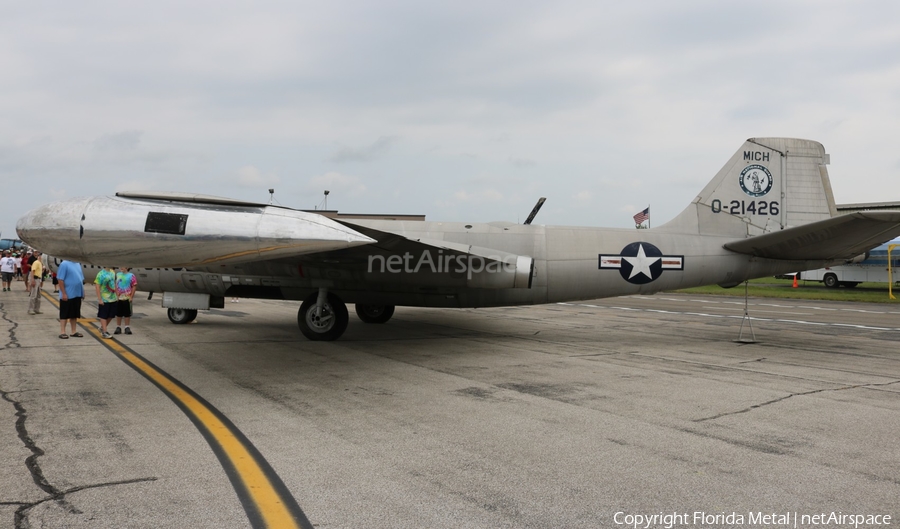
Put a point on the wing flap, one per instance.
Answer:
(396, 243)
(837, 238)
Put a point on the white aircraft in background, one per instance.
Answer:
(769, 210)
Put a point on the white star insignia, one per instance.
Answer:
(640, 264)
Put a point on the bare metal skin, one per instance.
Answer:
(769, 210)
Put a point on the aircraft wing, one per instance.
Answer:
(841, 237)
(506, 270)
(396, 243)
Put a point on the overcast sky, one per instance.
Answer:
(462, 111)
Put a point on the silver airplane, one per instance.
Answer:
(769, 210)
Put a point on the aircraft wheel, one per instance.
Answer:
(831, 281)
(330, 326)
(374, 313)
(182, 316)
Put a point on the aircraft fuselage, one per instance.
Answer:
(570, 263)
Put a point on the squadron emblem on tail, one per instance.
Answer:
(756, 180)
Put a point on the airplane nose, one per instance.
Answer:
(55, 228)
(162, 233)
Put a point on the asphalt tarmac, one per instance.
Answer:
(577, 415)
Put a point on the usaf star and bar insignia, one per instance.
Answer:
(641, 262)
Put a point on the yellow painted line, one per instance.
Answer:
(265, 498)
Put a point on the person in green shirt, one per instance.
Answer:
(126, 284)
(105, 286)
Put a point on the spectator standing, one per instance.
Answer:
(18, 259)
(36, 281)
(26, 267)
(7, 269)
(105, 286)
(71, 292)
(126, 284)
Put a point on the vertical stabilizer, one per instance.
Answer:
(768, 185)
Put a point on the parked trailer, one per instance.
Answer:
(873, 269)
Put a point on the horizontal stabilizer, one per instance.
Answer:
(842, 237)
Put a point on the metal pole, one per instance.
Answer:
(746, 317)
(890, 271)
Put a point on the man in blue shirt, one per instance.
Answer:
(71, 292)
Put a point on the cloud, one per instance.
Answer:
(631, 103)
(337, 184)
(133, 185)
(128, 140)
(521, 163)
(480, 196)
(364, 154)
(583, 197)
(250, 176)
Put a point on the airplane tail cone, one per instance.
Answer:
(795, 281)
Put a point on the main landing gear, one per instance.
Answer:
(374, 313)
(323, 316)
(181, 316)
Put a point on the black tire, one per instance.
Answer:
(831, 281)
(182, 316)
(374, 313)
(330, 326)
